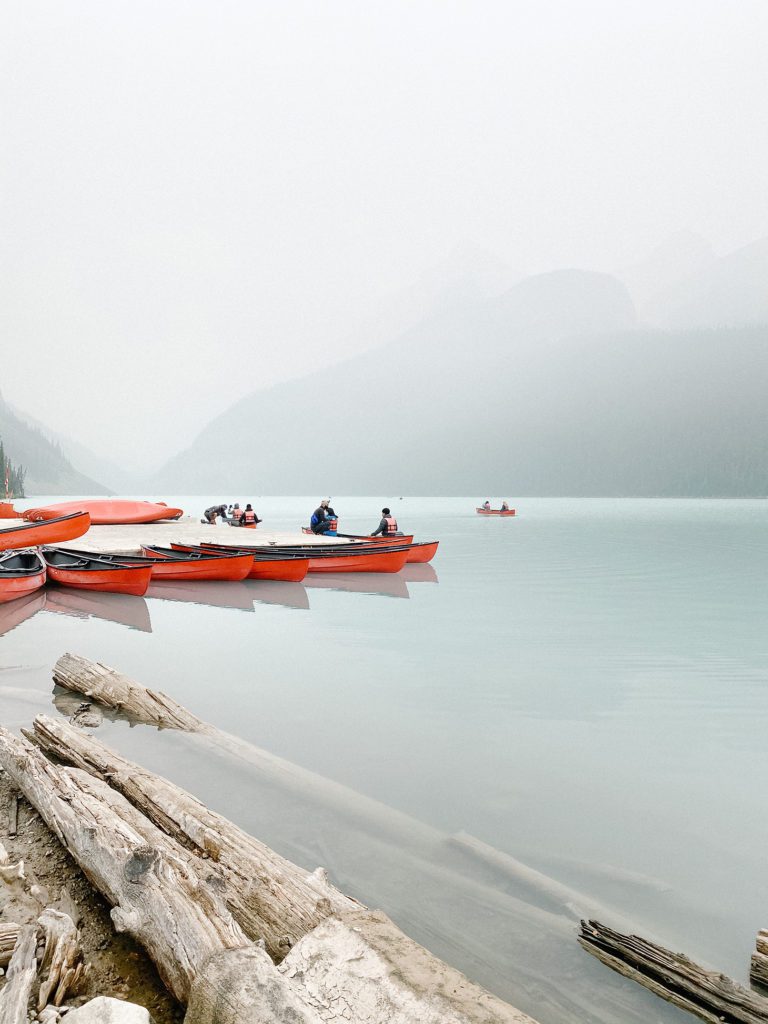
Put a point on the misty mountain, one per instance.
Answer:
(731, 291)
(551, 389)
(668, 265)
(48, 470)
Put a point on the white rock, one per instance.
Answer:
(105, 1010)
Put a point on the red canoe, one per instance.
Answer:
(263, 567)
(20, 574)
(346, 558)
(175, 565)
(496, 511)
(91, 573)
(424, 551)
(108, 511)
(52, 531)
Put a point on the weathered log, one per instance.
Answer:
(758, 969)
(9, 934)
(22, 971)
(62, 964)
(105, 1010)
(712, 996)
(270, 898)
(114, 690)
(358, 967)
(156, 894)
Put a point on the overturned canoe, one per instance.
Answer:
(21, 573)
(496, 511)
(51, 531)
(263, 567)
(108, 511)
(87, 572)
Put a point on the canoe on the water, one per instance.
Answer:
(197, 565)
(87, 572)
(108, 511)
(423, 551)
(496, 511)
(52, 531)
(263, 567)
(403, 538)
(342, 558)
(21, 573)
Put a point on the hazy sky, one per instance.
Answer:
(197, 198)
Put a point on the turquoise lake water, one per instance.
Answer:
(583, 688)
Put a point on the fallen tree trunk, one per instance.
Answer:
(270, 898)
(156, 893)
(758, 970)
(114, 690)
(22, 971)
(712, 996)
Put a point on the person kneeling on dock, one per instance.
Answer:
(215, 510)
(323, 518)
(249, 518)
(388, 525)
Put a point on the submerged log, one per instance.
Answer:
(270, 898)
(114, 690)
(712, 996)
(156, 894)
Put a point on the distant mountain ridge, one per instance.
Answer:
(48, 470)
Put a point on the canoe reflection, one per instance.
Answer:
(125, 609)
(388, 584)
(13, 613)
(419, 572)
(208, 592)
(290, 595)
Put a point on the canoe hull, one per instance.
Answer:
(496, 512)
(51, 531)
(376, 559)
(423, 552)
(285, 570)
(108, 512)
(231, 568)
(22, 580)
(122, 579)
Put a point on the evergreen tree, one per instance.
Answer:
(11, 477)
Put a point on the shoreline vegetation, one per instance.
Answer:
(11, 477)
(236, 931)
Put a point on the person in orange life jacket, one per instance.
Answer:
(249, 517)
(388, 525)
(320, 521)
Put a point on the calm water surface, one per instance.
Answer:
(582, 687)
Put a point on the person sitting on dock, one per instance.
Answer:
(323, 519)
(388, 525)
(487, 505)
(215, 510)
(249, 518)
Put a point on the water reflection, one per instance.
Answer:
(290, 595)
(388, 584)
(13, 613)
(419, 572)
(124, 609)
(208, 592)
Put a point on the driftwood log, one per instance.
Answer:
(22, 971)
(758, 970)
(712, 996)
(269, 897)
(157, 894)
(62, 965)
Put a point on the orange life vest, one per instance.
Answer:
(391, 524)
(250, 517)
